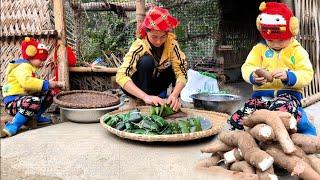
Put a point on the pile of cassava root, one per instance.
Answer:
(269, 138)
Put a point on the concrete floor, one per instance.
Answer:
(86, 151)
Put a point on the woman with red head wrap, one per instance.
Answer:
(154, 61)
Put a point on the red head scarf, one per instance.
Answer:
(158, 19)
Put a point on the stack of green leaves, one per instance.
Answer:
(153, 124)
(163, 110)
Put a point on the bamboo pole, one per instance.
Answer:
(310, 100)
(316, 15)
(103, 6)
(106, 6)
(59, 22)
(94, 69)
(140, 11)
(77, 17)
(307, 12)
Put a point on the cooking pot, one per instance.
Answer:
(216, 102)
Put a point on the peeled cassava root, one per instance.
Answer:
(232, 156)
(298, 152)
(298, 163)
(216, 146)
(217, 170)
(262, 132)
(211, 165)
(267, 174)
(315, 162)
(289, 121)
(272, 119)
(208, 162)
(249, 149)
(309, 144)
(264, 73)
(242, 166)
(267, 127)
(293, 164)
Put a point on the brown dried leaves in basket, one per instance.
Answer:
(86, 99)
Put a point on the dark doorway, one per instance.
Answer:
(238, 34)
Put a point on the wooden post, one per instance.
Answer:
(77, 16)
(60, 27)
(140, 11)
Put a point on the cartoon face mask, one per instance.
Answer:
(32, 49)
(276, 21)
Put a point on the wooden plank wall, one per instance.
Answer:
(32, 18)
(307, 11)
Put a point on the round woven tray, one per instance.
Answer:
(217, 119)
(85, 99)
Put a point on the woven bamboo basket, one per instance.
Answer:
(217, 119)
(91, 81)
(86, 99)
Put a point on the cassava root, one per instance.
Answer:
(216, 146)
(249, 149)
(272, 119)
(309, 144)
(293, 164)
(242, 166)
(262, 132)
(232, 156)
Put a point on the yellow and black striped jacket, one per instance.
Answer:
(172, 55)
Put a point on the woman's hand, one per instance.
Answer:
(153, 100)
(174, 102)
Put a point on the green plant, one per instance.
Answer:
(105, 34)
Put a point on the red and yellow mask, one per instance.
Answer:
(32, 49)
(276, 21)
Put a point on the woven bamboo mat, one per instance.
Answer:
(217, 119)
(25, 17)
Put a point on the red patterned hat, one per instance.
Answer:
(32, 49)
(158, 19)
(276, 21)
